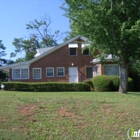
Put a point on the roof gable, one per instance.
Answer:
(58, 47)
(45, 53)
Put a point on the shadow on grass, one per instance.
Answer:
(134, 93)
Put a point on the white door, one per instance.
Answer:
(73, 74)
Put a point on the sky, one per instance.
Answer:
(15, 14)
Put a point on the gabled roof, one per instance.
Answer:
(45, 53)
(107, 58)
(43, 50)
(58, 47)
(7, 67)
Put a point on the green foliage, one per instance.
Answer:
(102, 83)
(3, 76)
(134, 73)
(130, 84)
(115, 82)
(28, 46)
(40, 37)
(109, 83)
(46, 86)
(113, 26)
(2, 49)
(2, 53)
(89, 83)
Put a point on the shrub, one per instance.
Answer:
(46, 86)
(102, 83)
(115, 82)
(109, 83)
(130, 84)
(90, 84)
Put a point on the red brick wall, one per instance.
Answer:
(61, 58)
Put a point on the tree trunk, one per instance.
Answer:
(123, 78)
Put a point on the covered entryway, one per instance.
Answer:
(73, 74)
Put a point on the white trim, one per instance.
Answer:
(85, 45)
(50, 68)
(63, 71)
(73, 45)
(13, 73)
(107, 58)
(40, 73)
(96, 70)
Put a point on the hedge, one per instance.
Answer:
(45, 86)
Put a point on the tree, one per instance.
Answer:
(2, 53)
(40, 37)
(113, 26)
(3, 75)
(41, 31)
(28, 46)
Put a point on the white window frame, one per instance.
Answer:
(40, 73)
(63, 72)
(20, 73)
(27, 73)
(112, 65)
(86, 72)
(96, 70)
(14, 70)
(76, 52)
(49, 68)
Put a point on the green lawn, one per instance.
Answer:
(68, 115)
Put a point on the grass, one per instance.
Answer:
(68, 115)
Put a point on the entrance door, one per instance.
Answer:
(73, 74)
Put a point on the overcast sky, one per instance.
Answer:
(15, 14)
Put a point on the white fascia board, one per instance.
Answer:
(74, 45)
(85, 45)
(95, 61)
(16, 65)
(107, 59)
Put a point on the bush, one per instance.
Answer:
(130, 84)
(45, 86)
(115, 82)
(109, 83)
(102, 83)
(90, 84)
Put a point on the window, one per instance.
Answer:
(20, 73)
(111, 69)
(86, 52)
(16, 73)
(60, 72)
(73, 51)
(24, 74)
(50, 72)
(37, 73)
(89, 72)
